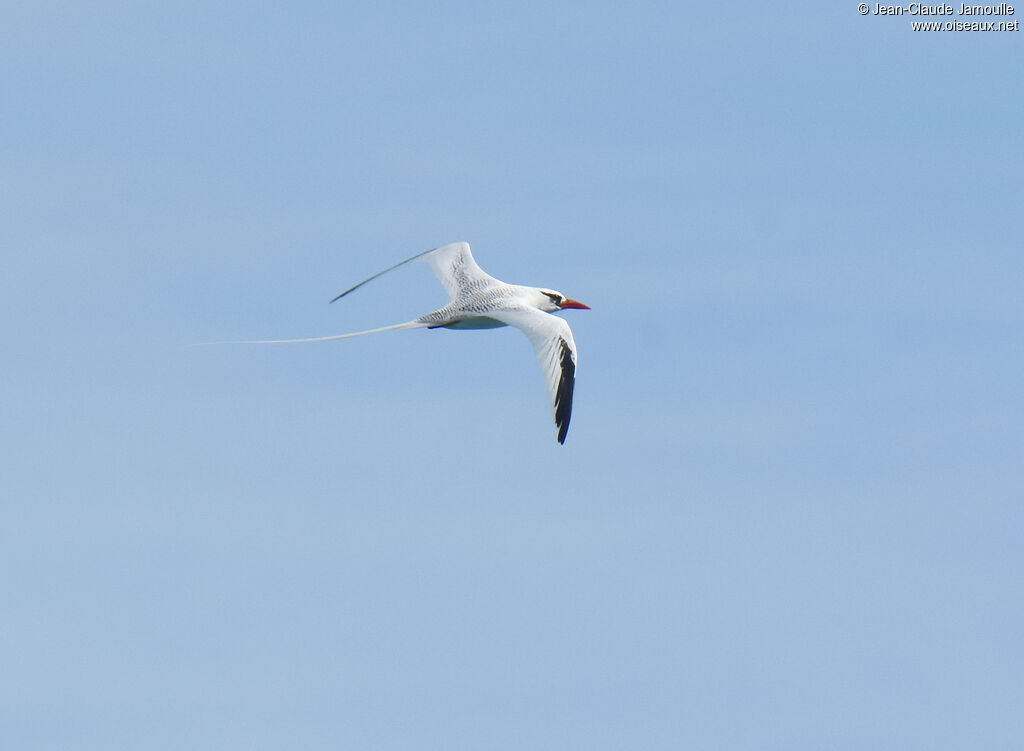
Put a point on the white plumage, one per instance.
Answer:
(479, 301)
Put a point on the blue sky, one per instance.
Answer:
(788, 514)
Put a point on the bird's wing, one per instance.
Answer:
(552, 340)
(453, 264)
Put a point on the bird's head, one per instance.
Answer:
(549, 301)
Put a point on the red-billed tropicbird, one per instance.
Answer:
(479, 301)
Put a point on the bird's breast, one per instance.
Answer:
(476, 322)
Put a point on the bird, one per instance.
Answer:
(479, 301)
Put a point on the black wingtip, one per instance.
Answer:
(350, 289)
(563, 397)
(381, 273)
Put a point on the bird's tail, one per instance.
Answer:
(406, 325)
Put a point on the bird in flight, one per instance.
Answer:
(479, 301)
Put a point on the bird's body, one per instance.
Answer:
(479, 301)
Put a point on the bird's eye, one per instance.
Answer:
(556, 299)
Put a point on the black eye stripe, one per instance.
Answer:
(556, 299)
